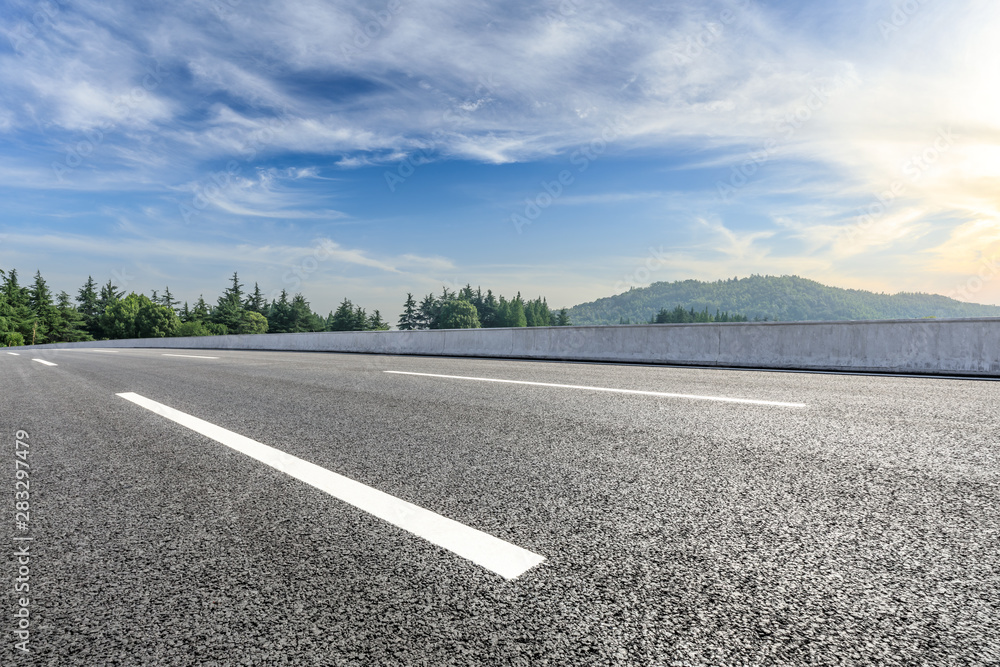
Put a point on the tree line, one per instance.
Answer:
(471, 309)
(30, 315)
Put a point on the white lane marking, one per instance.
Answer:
(16, 354)
(723, 399)
(190, 356)
(47, 363)
(507, 560)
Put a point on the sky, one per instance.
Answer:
(565, 148)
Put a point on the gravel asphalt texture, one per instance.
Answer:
(863, 529)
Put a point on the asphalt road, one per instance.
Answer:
(859, 527)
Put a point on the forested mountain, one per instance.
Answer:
(781, 298)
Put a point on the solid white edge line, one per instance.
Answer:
(189, 356)
(721, 399)
(47, 363)
(503, 558)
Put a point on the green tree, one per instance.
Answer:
(251, 322)
(429, 308)
(118, 320)
(193, 328)
(562, 320)
(9, 335)
(488, 310)
(516, 316)
(343, 317)
(360, 320)
(87, 301)
(229, 310)
(110, 295)
(256, 302)
(279, 314)
(458, 314)
(71, 324)
(375, 322)
(301, 316)
(45, 313)
(200, 312)
(168, 299)
(21, 319)
(155, 320)
(410, 319)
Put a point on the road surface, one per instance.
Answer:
(263, 508)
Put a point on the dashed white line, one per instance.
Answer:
(16, 354)
(189, 356)
(722, 399)
(47, 363)
(503, 558)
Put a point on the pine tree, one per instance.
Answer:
(428, 312)
(279, 314)
(301, 317)
(9, 334)
(87, 300)
(108, 296)
(343, 317)
(255, 302)
(488, 310)
(229, 310)
(359, 322)
(517, 317)
(375, 322)
(20, 318)
(409, 320)
(44, 311)
(168, 299)
(200, 311)
(71, 326)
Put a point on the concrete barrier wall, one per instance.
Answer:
(967, 346)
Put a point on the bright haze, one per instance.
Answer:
(567, 149)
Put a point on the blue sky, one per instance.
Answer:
(570, 149)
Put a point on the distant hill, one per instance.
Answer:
(784, 298)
